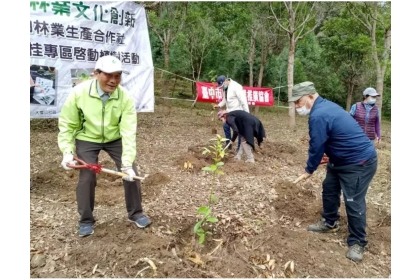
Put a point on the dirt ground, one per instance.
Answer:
(262, 215)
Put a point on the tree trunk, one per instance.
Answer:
(251, 62)
(165, 80)
(291, 64)
(290, 69)
(379, 76)
(264, 53)
(385, 58)
(350, 88)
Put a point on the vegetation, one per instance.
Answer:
(341, 47)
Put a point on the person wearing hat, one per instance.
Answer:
(234, 98)
(247, 126)
(366, 113)
(97, 115)
(351, 167)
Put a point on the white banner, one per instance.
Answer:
(66, 40)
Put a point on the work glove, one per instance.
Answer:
(68, 158)
(130, 173)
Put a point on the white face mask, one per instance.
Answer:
(303, 111)
(371, 100)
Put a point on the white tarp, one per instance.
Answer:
(66, 39)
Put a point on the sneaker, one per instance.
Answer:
(237, 157)
(355, 252)
(322, 226)
(250, 160)
(85, 230)
(142, 222)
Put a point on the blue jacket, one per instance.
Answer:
(336, 133)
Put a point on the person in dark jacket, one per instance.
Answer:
(247, 126)
(366, 113)
(351, 167)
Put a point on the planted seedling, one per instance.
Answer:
(215, 149)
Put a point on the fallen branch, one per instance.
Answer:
(357, 268)
(140, 271)
(245, 261)
(252, 246)
(175, 255)
(217, 247)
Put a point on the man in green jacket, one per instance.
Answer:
(99, 115)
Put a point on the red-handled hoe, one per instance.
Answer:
(96, 167)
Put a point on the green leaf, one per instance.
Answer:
(220, 163)
(222, 154)
(213, 198)
(197, 226)
(209, 233)
(213, 167)
(202, 238)
(212, 219)
(206, 168)
(203, 210)
(200, 231)
(220, 172)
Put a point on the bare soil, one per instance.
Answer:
(262, 215)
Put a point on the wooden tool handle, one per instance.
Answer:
(121, 174)
(299, 179)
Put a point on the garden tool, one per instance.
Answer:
(324, 160)
(230, 143)
(95, 167)
(300, 178)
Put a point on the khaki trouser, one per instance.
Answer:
(245, 147)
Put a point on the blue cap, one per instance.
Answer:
(220, 80)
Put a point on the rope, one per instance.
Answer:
(191, 100)
(174, 74)
(195, 100)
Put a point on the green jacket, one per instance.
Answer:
(84, 117)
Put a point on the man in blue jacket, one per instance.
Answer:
(351, 167)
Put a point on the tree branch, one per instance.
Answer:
(306, 33)
(181, 26)
(374, 18)
(153, 29)
(151, 6)
(287, 7)
(281, 26)
(365, 24)
(297, 7)
(307, 17)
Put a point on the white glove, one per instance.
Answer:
(68, 158)
(130, 172)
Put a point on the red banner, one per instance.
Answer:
(208, 92)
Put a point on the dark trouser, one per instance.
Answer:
(31, 95)
(354, 180)
(228, 135)
(85, 193)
